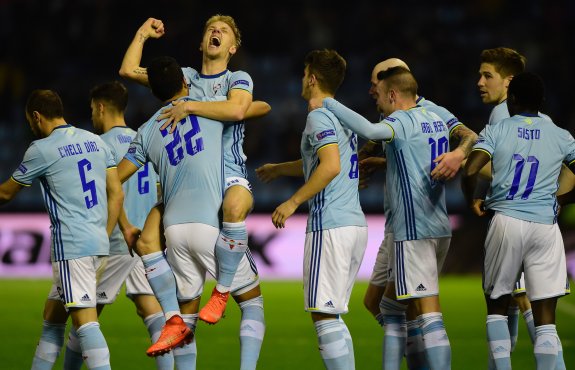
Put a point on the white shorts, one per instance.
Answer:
(514, 245)
(330, 264)
(237, 180)
(416, 267)
(116, 270)
(382, 269)
(190, 252)
(136, 282)
(75, 281)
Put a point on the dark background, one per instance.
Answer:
(71, 45)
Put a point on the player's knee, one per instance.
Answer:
(235, 212)
(145, 246)
(371, 303)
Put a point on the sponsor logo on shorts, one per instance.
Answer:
(421, 288)
(85, 298)
(329, 304)
(102, 295)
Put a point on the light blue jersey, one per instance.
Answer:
(140, 193)
(415, 137)
(527, 153)
(201, 86)
(500, 112)
(188, 162)
(450, 120)
(71, 165)
(338, 204)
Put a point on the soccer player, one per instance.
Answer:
(190, 166)
(336, 235)
(497, 68)
(447, 165)
(526, 153)
(83, 197)
(108, 103)
(415, 138)
(214, 81)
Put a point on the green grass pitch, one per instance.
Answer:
(290, 341)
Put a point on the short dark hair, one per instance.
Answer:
(506, 61)
(328, 67)
(165, 77)
(400, 79)
(528, 91)
(45, 102)
(113, 93)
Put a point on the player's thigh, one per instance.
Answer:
(544, 262)
(190, 252)
(151, 237)
(417, 264)
(503, 255)
(112, 276)
(331, 261)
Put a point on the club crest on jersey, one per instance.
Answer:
(22, 168)
(240, 82)
(324, 134)
(216, 88)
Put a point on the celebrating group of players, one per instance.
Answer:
(186, 197)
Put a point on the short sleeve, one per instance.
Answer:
(242, 80)
(486, 140)
(400, 131)
(33, 165)
(136, 152)
(320, 130)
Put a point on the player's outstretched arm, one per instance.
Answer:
(477, 159)
(115, 198)
(356, 122)
(328, 168)
(271, 171)
(234, 108)
(130, 68)
(8, 190)
(448, 164)
(257, 109)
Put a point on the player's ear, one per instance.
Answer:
(233, 50)
(507, 81)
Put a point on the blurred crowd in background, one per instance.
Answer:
(71, 45)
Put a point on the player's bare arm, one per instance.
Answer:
(477, 159)
(115, 198)
(328, 168)
(448, 164)
(232, 109)
(271, 171)
(8, 190)
(130, 68)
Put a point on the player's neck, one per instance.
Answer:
(214, 66)
(49, 125)
(113, 121)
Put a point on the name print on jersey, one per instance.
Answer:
(75, 149)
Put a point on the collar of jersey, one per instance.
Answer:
(62, 126)
(524, 114)
(214, 76)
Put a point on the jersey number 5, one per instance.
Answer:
(88, 186)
